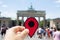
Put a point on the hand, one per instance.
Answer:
(16, 33)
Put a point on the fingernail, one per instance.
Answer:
(27, 30)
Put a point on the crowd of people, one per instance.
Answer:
(47, 32)
(53, 33)
(41, 32)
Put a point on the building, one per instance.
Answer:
(5, 21)
(8, 22)
(31, 13)
(55, 22)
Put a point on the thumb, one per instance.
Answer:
(22, 34)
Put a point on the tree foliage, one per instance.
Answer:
(41, 23)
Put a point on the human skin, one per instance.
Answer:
(16, 33)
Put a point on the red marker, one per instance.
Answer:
(31, 24)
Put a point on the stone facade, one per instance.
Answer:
(5, 21)
(31, 13)
(55, 22)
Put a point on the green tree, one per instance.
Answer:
(41, 23)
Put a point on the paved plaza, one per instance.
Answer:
(28, 38)
(1, 38)
(35, 37)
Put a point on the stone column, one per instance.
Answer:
(39, 21)
(44, 24)
(17, 20)
(22, 21)
(27, 17)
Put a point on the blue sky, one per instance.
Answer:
(9, 8)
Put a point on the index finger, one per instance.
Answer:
(17, 28)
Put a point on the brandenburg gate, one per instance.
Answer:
(31, 13)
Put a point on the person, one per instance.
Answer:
(16, 33)
(51, 31)
(56, 34)
(43, 31)
(39, 33)
(48, 33)
(3, 30)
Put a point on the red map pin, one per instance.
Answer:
(31, 24)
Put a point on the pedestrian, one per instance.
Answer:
(48, 32)
(56, 34)
(42, 31)
(51, 31)
(3, 30)
(39, 33)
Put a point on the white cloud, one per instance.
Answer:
(1, 2)
(4, 6)
(57, 6)
(10, 14)
(57, 1)
(5, 12)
